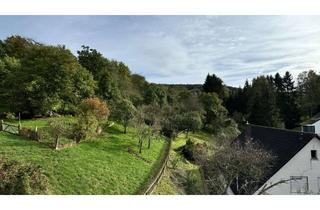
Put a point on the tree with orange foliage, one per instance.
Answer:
(92, 112)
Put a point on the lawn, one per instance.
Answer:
(101, 166)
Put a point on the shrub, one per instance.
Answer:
(92, 112)
(30, 134)
(169, 128)
(59, 127)
(10, 116)
(195, 152)
(192, 183)
(174, 161)
(78, 132)
(19, 179)
(96, 107)
(241, 164)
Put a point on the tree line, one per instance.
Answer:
(38, 80)
(276, 101)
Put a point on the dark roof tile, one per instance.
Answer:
(282, 143)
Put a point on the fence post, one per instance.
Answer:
(1, 125)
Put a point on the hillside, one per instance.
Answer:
(102, 166)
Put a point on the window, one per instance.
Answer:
(299, 184)
(318, 185)
(314, 155)
(308, 128)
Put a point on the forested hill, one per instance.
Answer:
(38, 79)
(187, 86)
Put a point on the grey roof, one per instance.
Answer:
(282, 143)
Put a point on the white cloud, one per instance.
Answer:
(183, 49)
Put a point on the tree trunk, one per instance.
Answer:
(99, 130)
(125, 127)
(56, 143)
(149, 143)
(140, 147)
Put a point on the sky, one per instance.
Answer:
(184, 49)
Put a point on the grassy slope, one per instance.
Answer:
(102, 166)
(169, 185)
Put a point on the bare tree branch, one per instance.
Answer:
(265, 188)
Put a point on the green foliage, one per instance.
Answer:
(92, 60)
(189, 121)
(257, 103)
(137, 90)
(287, 100)
(262, 103)
(215, 112)
(181, 176)
(42, 78)
(155, 94)
(276, 101)
(309, 92)
(151, 114)
(123, 111)
(100, 68)
(58, 128)
(144, 132)
(113, 77)
(92, 112)
(214, 84)
(193, 187)
(194, 151)
(19, 179)
(10, 116)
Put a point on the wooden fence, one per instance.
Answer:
(9, 128)
(157, 177)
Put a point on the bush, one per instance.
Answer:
(192, 183)
(92, 112)
(10, 116)
(30, 134)
(78, 132)
(58, 128)
(96, 107)
(194, 152)
(169, 128)
(19, 179)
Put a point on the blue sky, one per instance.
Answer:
(184, 49)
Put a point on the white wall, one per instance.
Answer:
(300, 165)
(317, 126)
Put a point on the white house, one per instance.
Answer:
(312, 125)
(297, 166)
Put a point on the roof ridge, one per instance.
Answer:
(283, 129)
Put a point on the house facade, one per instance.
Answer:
(302, 173)
(313, 127)
(296, 168)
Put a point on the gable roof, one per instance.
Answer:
(283, 144)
